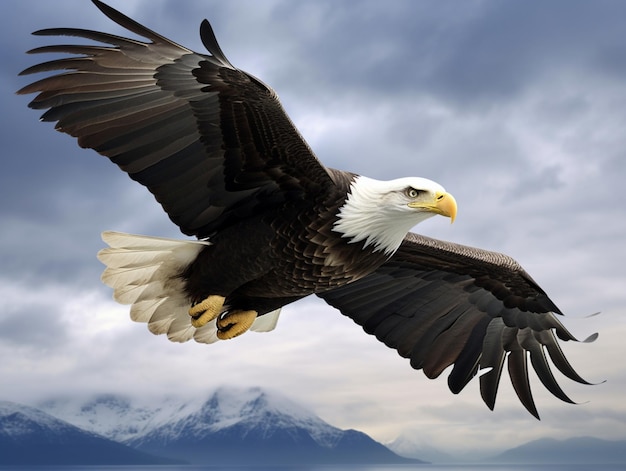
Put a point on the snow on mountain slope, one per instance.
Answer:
(250, 409)
(18, 420)
(118, 417)
(31, 437)
(129, 419)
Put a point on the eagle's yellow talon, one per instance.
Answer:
(234, 323)
(206, 310)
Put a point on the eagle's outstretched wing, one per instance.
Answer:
(210, 141)
(440, 304)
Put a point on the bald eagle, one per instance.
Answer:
(273, 225)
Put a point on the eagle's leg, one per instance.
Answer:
(234, 323)
(206, 310)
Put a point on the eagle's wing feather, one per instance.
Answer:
(440, 304)
(210, 141)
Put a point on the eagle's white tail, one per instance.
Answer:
(144, 272)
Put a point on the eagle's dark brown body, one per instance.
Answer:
(283, 255)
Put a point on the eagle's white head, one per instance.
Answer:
(382, 212)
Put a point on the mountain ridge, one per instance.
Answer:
(29, 436)
(230, 425)
(542, 451)
(575, 450)
(243, 426)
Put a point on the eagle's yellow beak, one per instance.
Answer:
(443, 204)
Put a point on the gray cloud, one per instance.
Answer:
(33, 323)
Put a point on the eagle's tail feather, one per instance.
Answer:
(144, 272)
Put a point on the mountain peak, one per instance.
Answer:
(229, 405)
(19, 420)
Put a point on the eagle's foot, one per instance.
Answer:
(234, 323)
(206, 310)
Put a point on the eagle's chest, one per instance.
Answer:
(309, 257)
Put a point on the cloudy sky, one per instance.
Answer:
(517, 108)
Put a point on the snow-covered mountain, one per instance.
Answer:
(118, 417)
(31, 437)
(249, 409)
(229, 426)
(126, 419)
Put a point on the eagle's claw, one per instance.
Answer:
(234, 323)
(206, 310)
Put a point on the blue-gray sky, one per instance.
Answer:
(517, 108)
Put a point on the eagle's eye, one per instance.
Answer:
(412, 192)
